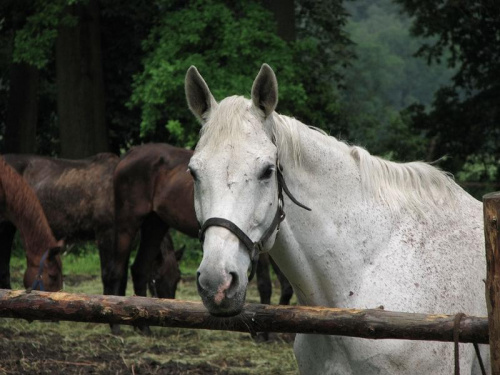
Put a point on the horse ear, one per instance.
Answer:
(179, 253)
(265, 90)
(198, 95)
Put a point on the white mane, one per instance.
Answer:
(415, 185)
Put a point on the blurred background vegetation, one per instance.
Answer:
(406, 79)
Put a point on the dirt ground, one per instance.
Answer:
(22, 353)
(52, 353)
(81, 348)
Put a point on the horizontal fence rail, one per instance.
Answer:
(370, 324)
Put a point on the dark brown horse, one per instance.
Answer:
(20, 206)
(78, 199)
(154, 192)
(76, 196)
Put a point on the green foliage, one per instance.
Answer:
(479, 175)
(34, 43)
(479, 167)
(17, 246)
(470, 30)
(227, 44)
(84, 262)
(465, 117)
(386, 78)
(191, 258)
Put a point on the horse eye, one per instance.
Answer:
(268, 172)
(193, 174)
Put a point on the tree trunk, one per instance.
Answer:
(22, 109)
(80, 95)
(284, 14)
(373, 324)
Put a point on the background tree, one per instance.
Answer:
(465, 118)
(78, 66)
(384, 79)
(132, 90)
(80, 85)
(21, 110)
(228, 42)
(83, 93)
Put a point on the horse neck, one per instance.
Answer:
(25, 211)
(322, 250)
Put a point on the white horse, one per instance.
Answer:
(402, 236)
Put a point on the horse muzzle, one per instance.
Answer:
(222, 294)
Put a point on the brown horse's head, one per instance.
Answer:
(166, 275)
(48, 275)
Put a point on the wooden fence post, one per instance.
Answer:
(491, 204)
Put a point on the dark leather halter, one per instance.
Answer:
(38, 282)
(255, 248)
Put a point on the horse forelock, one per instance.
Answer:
(224, 123)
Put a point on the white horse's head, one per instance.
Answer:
(235, 172)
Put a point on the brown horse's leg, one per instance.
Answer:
(158, 278)
(7, 232)
(114, 264)
(263, 279)
(265, 288)
(286, 287)
(166, 273)
(104, 238)
(115, 267)
(153, 230)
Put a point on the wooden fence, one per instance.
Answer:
(491, 204)
(373, 324)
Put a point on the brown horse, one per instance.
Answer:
(77, 196)
(153, 192)
(19, 205)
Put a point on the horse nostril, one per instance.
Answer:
(198, 280)
(233, 287)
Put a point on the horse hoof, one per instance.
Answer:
(144, 330)
(261, 337)
(115, 329)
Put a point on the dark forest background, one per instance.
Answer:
(406, 79)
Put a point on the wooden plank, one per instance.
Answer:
(491, 204)
(372, 324)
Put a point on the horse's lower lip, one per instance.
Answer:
(224, 310)
(227, 314)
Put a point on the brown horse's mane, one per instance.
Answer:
(22, 207)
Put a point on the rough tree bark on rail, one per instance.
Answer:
(373, 324)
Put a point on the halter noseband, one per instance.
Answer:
(255, 248)
(39, 280)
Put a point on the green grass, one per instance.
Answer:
(74, 348)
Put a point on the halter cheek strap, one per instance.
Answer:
(255, 248)
(38, 280)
